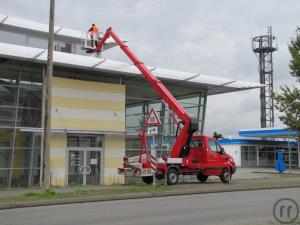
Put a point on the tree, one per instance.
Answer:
(287, 102)
(294, 49)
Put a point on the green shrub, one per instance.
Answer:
(48, 193)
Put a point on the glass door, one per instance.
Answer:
(76, 162)
(84, 167)
(93, 159)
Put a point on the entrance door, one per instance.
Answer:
(76, 161)
(84, 167)
(93, 159)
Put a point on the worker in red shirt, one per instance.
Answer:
(94, 34)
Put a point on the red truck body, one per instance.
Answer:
(199, 155)
(205, 158)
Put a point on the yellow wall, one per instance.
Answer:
(85, 105)
(88, 105)
(114, 151)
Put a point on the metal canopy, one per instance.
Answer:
(213, 85)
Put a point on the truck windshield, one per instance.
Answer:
(214, 146)
(196, 143)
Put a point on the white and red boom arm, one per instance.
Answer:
(190, 125)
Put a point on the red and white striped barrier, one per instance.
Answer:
(153, 161)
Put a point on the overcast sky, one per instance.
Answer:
(210, 37)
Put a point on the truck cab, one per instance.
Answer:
(211, 158)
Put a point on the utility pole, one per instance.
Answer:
(48, 100)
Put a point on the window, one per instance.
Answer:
(63, 47)
(196, 143)
(85, 141)
(214, 146)
(20, 106)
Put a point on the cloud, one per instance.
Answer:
(204, 36)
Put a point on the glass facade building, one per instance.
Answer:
(266, 156)
(136, 115)
(261, 153)
(20, 116)
(21, 101)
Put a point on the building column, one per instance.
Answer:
(58, 160)
(114, 150)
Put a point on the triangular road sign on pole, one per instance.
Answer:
(152, 118)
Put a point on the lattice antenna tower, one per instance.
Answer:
(263, 46)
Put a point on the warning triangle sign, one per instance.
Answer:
(152, 119)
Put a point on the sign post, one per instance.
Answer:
(153, 158)
(153, 164)
(152, 122)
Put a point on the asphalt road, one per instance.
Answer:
(251, 207)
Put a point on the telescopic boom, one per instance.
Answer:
(190, 124)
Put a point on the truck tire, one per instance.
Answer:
(225, 176)
(201, 177)
(148, 179)
(172, 177)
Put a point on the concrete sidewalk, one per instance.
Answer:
(256, 173)
(246, 174)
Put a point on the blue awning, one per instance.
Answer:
(239, 141)
(268, 132)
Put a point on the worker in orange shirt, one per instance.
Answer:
(94, 34)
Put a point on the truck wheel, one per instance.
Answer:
(225, 176)
(201, 177)
(148, 179)
(172, 177)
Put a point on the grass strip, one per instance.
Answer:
(211, 186)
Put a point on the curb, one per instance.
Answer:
(276, 173)
(127, 196)
(74, 200)
(194, 192)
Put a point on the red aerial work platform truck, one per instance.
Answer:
(190, 155)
